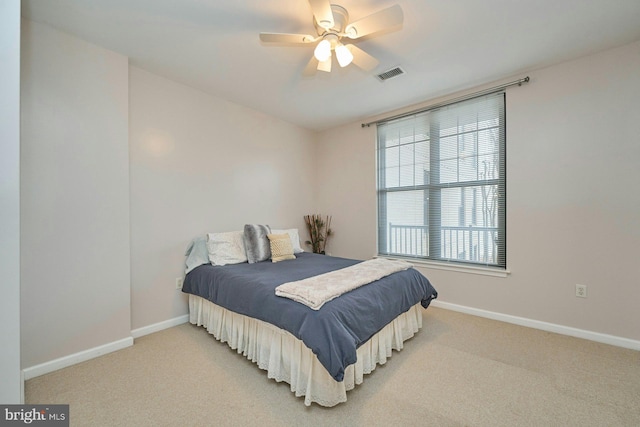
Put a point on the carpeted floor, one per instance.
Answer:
(459, 370)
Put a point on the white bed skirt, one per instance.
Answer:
(286, 358)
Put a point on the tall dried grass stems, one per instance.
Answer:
(319, 229)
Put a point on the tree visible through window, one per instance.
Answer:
(441, 183)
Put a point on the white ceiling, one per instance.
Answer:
(443, 46)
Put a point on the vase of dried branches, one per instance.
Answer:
(319, 229)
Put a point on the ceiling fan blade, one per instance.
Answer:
(362, 59)
(386, 18)
(325, 65)
(322, 12)
(311, 67)
(287, 38)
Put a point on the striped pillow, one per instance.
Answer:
(256, 243)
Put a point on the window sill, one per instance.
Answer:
(470, 269)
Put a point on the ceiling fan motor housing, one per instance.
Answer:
(340, 20)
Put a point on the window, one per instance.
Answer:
(441, 183)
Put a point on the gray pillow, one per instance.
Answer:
(256, 242)
(196, 253)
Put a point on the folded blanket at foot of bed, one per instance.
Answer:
(315, 291)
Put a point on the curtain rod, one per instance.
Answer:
(451, 101)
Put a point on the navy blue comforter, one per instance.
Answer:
(335, 331)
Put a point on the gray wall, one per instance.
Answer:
(10, 382)
(120, 169)
(74, 196)
(201, 164)
(573, 206)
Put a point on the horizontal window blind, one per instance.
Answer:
(442, 183)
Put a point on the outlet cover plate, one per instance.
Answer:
(581, 291)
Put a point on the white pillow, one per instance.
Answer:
(226, 248)
(293, 235)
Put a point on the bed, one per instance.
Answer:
(321, 353)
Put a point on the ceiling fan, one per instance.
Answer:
(333, 28)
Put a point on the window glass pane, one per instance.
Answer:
(447, 122)
(407, 135)
(450, 207)
(468, 126)
(407, 165)
(448, 159)
(488, 167)
(468, 160)
(468, 167)
(422, 164)
(392, 167)
(407, 230)
(390, 137)
(448, 171)
(449, 148)
(392, 142)
(488, 141)
(421, 127)
(392, 177)
(488, 117)
(469, 223)
(406, 207)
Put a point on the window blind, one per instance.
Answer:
(442, 183)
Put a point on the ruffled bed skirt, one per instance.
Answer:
(286, 358)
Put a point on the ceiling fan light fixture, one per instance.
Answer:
(325, 65)
(322, 52)
(344, 55)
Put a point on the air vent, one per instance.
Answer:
(389, 74)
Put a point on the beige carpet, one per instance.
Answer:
(460, 370)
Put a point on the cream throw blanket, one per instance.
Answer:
(317, 290)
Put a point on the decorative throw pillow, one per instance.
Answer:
(281, 247)
(293, 235)
(256, 242)
(226, 248)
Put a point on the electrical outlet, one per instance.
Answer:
(179, 282)
(581, 291)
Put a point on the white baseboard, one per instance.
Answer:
(72, 359)
(544, 326)
(156, 327)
